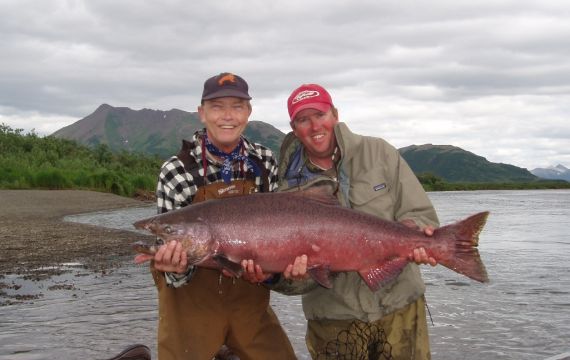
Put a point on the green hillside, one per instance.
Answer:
(152, 132)
(457, 165)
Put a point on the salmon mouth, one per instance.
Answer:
(144, 248)
(143, 224)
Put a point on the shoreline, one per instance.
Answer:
(34, 235)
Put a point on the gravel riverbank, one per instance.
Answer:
(33, 234)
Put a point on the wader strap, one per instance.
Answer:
(265, 180)
(190, 163)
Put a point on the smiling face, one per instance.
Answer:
(315, 129)
(225, 120)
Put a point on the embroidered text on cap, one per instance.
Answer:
(306, 94)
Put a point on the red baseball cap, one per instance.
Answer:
(308, 96)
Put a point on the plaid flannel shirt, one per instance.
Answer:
(176, 187)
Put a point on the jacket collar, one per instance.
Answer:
(347, 141)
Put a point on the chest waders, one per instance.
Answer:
(196, 319)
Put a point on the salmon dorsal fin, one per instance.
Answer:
(323, 193)
(375, 278)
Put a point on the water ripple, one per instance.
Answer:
(522, 314)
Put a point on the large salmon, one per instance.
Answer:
(273, 228)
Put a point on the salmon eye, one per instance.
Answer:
(168, 230)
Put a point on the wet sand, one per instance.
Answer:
(33, 234)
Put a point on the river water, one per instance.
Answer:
(523, 313)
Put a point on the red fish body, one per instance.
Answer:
(274, 228)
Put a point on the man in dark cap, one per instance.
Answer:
(200, 309)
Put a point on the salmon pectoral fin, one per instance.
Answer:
(322, 275)
(234, 268)
(375, 278)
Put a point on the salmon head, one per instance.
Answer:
(195, 237)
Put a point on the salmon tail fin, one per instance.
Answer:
(462, 255)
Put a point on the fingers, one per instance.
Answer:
(165, 253)
(183, 260)
(428, 230)
(420, 256)
(299, 267)
(248, 271)
(259, 274)
(171, 257)
(287, 272)
(252, 272)
(297, 270)
(248, 266)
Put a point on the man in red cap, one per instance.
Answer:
(200, 309)
(371, 176)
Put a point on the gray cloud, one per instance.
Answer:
(489, 76)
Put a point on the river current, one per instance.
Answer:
(523, 313)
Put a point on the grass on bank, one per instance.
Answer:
(28, 161)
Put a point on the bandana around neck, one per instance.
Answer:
(230, 158)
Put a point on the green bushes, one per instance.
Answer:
(29, 161)
(50, 178)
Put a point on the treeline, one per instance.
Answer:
(29, 161)
(431, 182)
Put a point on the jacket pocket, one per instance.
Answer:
(370, 186)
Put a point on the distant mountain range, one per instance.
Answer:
(161, 133)
(557, 172)
(151, 131)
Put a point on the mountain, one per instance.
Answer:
(161, 133)
(557, 172)
(454, 164)
(151, 131)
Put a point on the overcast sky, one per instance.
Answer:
(489, 76)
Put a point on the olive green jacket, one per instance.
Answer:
(373, 178)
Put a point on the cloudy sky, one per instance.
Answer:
(489, 76)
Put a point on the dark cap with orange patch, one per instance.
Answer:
(224, 85)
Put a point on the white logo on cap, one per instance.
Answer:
(305, 94)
